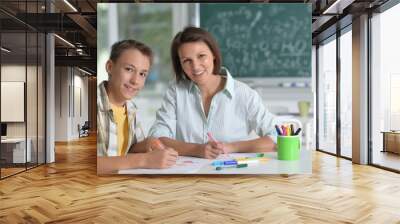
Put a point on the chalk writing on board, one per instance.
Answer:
(266, 40)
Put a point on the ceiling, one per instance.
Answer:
(75, 22)
(76, 25)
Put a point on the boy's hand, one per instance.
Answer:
(161, 158)
(154, 143)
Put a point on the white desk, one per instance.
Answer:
(203, 166)
(18, 149)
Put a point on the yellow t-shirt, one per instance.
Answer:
(122, 128)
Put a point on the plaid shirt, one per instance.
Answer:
(106, 126)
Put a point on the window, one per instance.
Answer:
(385, 88)
(150, 25)
(346, 93)
(327, 95)
(22, 66)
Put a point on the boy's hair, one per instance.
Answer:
(193, 34)
(120, 46)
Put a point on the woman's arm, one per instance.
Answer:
(165, 123)
(143, 146)
(183, 148)
(209, 151)
(262, 144)
(262, 122)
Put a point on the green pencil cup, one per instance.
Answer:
(288, 147)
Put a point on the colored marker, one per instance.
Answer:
(298, 131)
(283, 130)
(251, 160)
(217, 163)
(291, 129)
(278, 130)
(224, 163)
(230, 162)
(211, 137)
(228, 167)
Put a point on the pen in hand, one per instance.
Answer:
(214, 140)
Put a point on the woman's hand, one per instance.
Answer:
(211, 150)
(161, 158)
(227, 147)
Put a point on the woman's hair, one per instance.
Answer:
(193, 34)
(120, 46)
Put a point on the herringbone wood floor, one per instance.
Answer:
(69, 191)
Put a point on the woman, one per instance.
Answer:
(127, 69)
(205, 100)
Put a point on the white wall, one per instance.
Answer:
(71, 87)
(61, 104)
(16, 73)
(80, 100)
(33, 126)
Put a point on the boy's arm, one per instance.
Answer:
(141, 147)
(155, 159)
(111, 164)
(262, 144)
(209, 150)
(147, 145)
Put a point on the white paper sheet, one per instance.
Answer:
(193, 165)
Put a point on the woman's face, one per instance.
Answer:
(197, 61)
(128, 74)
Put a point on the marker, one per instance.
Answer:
(298, 131)
(214, 140)
(224, 163)
(283, 130)
(211, 137)
(228, 167)
(291, 129)
(278, 130)
(230, 162)
(251, 160)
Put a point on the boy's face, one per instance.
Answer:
(128, 73)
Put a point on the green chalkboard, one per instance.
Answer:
(261, 40)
